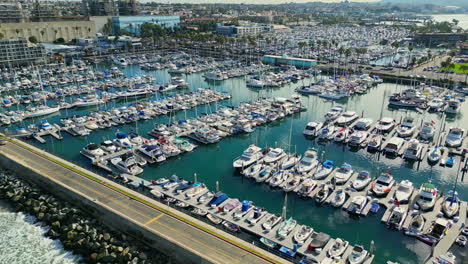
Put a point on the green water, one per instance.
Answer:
(214, 162)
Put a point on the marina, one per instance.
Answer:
(286, 134)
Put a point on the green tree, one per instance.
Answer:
(1, 35)
(464, 69)
(108, 27)
(32, 39)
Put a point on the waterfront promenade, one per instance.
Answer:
(211, 245)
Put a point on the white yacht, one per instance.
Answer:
(414, 150)
(453, 107)
(274, 155)
(363, 124)
(396, 218)
(312, 129)
(153, 152)
(108, 146)
(436, 104)
(358, 255)
(251, 155)
(308, 162)
(122, 140)
(427, 130)
(346, 118)
(385, 125)
(334, 113)
(455, 137)
(363, 179)
(358, 203)
(427, 196)
(434, 155)
(343, 174)
(406, 128)
(404, 191)
(40, 111)
(127, 163)
(207, 135)
(215, 76)
(384, 184)
(357, 138)
(92, 151)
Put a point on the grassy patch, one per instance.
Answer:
(456, 69)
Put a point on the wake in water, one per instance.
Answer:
(21, 241)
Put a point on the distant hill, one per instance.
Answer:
(461, 3)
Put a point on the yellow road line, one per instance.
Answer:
(154, 219)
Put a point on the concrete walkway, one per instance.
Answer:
(213, 245)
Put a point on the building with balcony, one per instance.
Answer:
(243, 30)
(20, 52)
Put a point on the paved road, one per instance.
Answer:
(200, 242)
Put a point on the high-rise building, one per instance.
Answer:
(43, 11)
(20, 52)
(11, 12)
(109, 7)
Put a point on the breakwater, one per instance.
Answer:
(77, 231)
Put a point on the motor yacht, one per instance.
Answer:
(308, 162)
(453, 107)
(363, 179)
(122, 140)
(427, 130)
(434, 155)
(414, 150)
(323, 170)
(274, 155)
(286, 227)
(451, 204)
(312, 129)
(374, 142)
(92, 151)
(455, 137)
(404, 191)
(338, 248)
(343, 174)
(108, 146)
(271, 221)
(302, 233)
(334, 113)
(357, 138)
(127, 163)
(385, 125)
(346, 118)
(153, 152)
(358, 203)
(383, 184)
(339, 198)
(406, 128)
(251, 155)
(427, 197)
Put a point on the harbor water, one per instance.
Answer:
(213, 163)
(22, 241)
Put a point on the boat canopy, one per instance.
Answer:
(328, 164)
(120, 135)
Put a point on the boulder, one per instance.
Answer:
(107, 237)
(93, 257)
(56, 225)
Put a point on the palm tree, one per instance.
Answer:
(410, 48)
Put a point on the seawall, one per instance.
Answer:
(181, 237)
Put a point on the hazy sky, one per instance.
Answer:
(250, 1)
